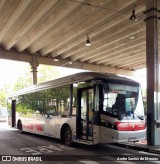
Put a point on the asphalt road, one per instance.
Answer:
(24, 148)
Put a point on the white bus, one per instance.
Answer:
(88, 108)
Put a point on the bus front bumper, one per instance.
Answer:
(113, 136)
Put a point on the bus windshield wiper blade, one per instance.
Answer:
(140, 117)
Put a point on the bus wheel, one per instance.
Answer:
(20, 127)
(67, 136)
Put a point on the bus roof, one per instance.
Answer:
(75, 78)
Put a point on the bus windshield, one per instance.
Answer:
(123, 101)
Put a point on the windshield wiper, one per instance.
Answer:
(123, 114)
(140, 117)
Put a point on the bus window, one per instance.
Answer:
(57, 100)
(47, 102)
(122, 101)
(109, 100)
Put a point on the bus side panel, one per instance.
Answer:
(27, 124)
(96, 134)
(38, 125)
(56, 124)
(48, 127)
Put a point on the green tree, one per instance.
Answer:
(22, 82)
(46, 73)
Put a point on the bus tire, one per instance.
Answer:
(20, 127)
(67, 136)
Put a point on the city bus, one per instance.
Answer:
(87, 107)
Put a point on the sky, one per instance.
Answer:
(140, 76)
(11, 70)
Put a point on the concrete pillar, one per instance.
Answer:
(34, 66)
(152, 62)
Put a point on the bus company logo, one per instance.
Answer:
(6, 158)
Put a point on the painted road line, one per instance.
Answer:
(155, 162)
(45, 149)
(86, 161)
(147, 153)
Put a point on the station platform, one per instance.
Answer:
(140, 146)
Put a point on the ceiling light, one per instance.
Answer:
(88, 43)
(70, 62)
(133, 16)
(56, 59)
(131, 37)
(55, 56)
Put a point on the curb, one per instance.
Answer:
(138, 147)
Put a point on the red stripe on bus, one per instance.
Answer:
(130, 126)
(39, 127)
(28, 126)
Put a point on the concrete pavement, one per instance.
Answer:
(141, 146)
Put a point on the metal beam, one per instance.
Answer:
(153, 79)
(27, 57)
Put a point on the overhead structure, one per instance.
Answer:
(98, 35)
(57, 29)
(153, 76)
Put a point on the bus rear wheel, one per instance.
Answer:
(67, 136)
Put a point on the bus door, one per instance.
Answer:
(85, 114)
(13, 116)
